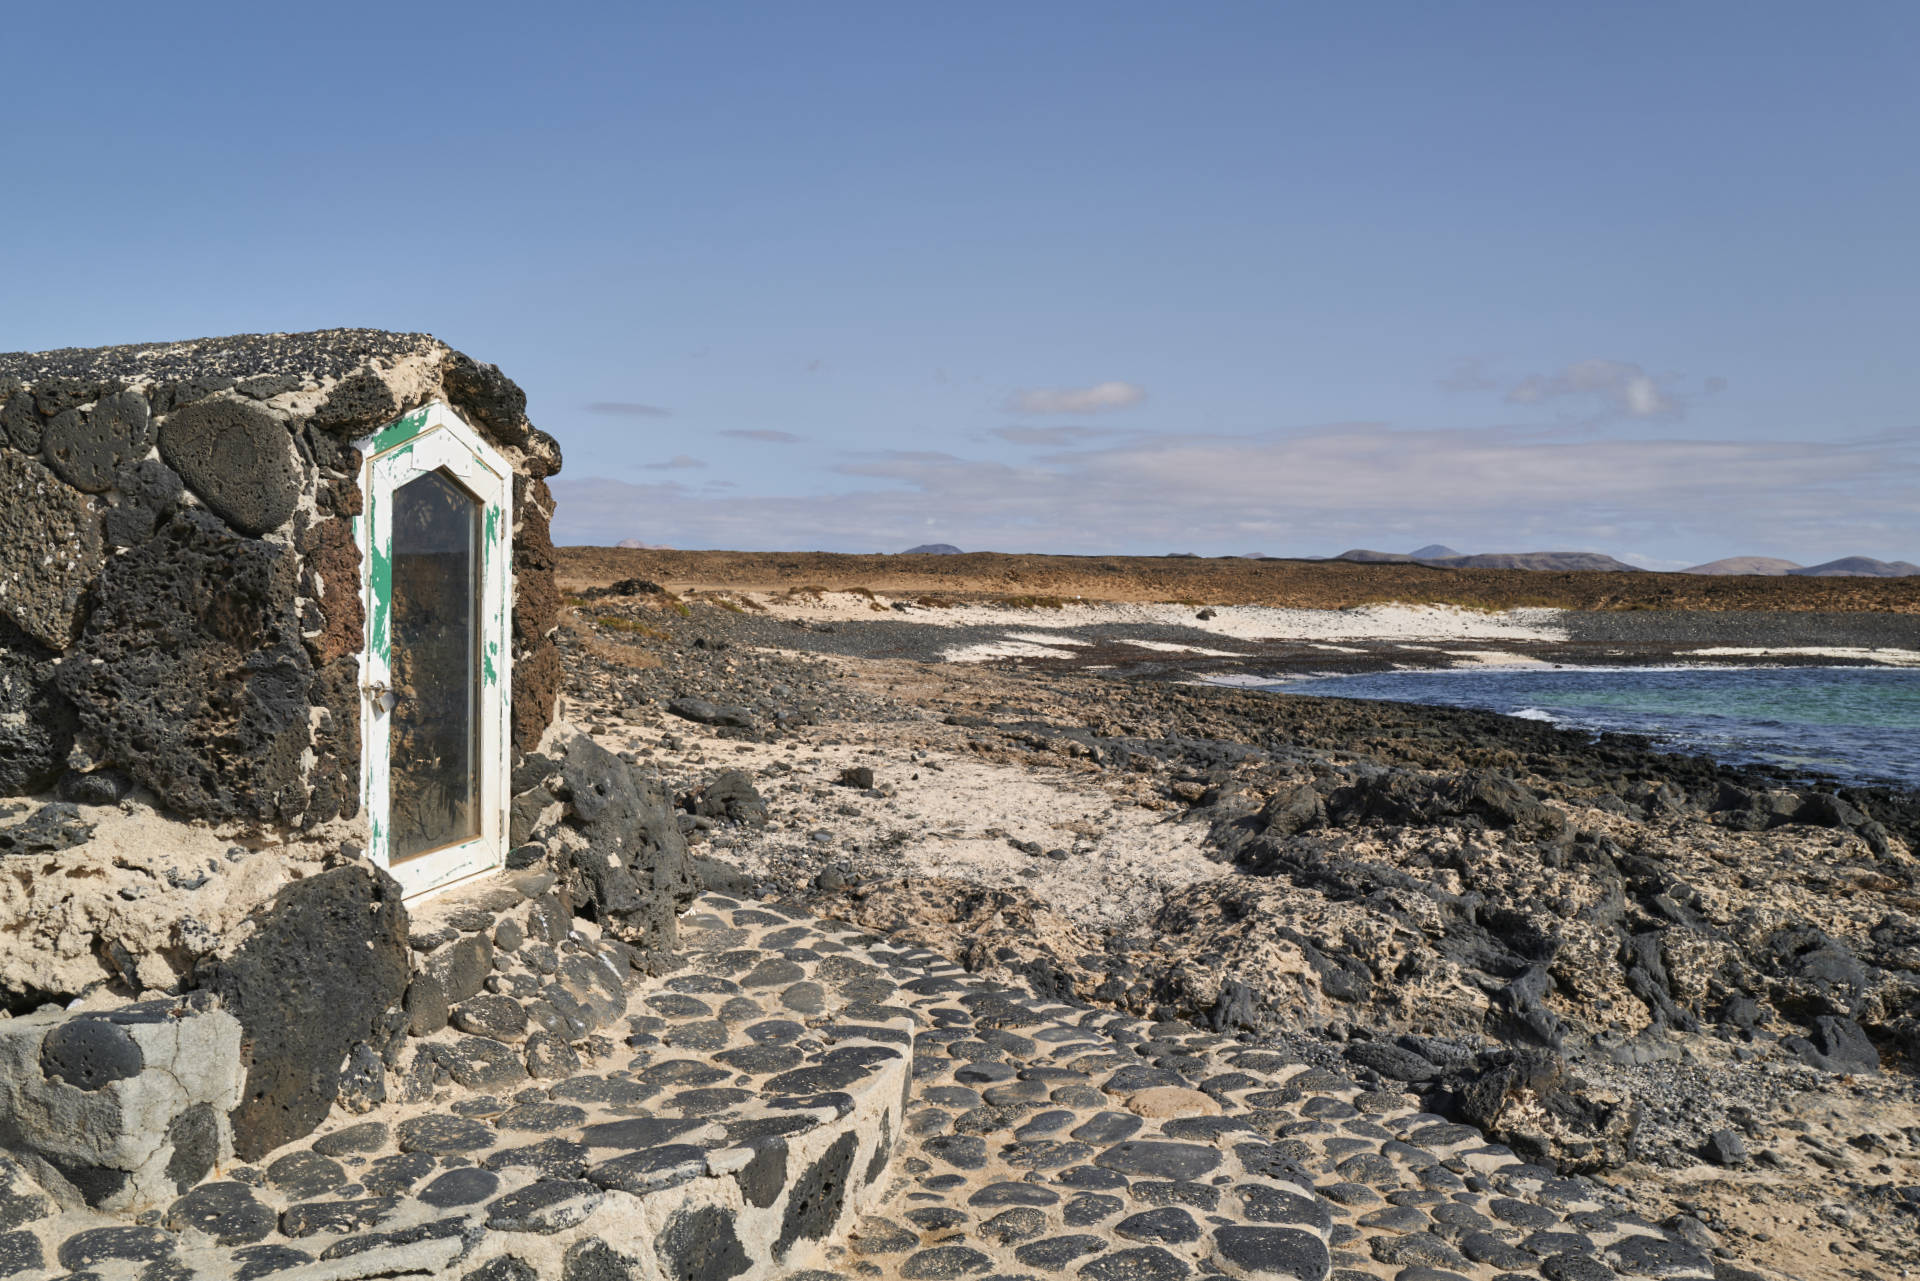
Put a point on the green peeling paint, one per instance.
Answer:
(400, 429)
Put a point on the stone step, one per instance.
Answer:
(803, 1100)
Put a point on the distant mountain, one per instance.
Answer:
(1366, 557)
(1771, 565)
(1858, 567)
(932, 549)
(1434, 551)
(1551, 562)
(634, 544)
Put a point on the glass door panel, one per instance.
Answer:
(434, 747)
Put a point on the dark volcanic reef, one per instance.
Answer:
(1699, 983)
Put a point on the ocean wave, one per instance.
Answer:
(1531, 714)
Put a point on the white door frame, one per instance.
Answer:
(430, 439)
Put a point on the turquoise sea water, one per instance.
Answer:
(1861, 724)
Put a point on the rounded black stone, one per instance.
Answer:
(299, 1175)
(651, 1169)
(963, 1151)
(943, 1261)
(543, 1118)
(99, 1245)
(544, 1207)
(706, 1034)
(256, 1261)
(1169, 1224)
(89, 1052)
(507, 1268)
(20, 1252)
(438, 1133)
(761, 1060)
(548, 1159)
(775, 1032)
(1044, 1154)
(1149, 1158)
(87, 448)
(336, 1216)
(935, 1218)
(1263, 1204)
(1108, 1127)
(682, 1072)
(983, 1072)
(1421, 1248)
(390, 1175)
(1091, 1177)
(368, 1136)
(1569, 1267)
(227, 1212)
(1279, 1252)
(1089, 1208)
(1009, 1227)
(677, 1006)
(469, 1185)
(239, 460)
(1014, 1194)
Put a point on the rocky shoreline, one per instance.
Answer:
(1698, 985)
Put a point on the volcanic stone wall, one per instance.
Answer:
(179, 586)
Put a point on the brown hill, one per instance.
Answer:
(1745, 565)
(1323, 584)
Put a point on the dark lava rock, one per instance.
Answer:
(701, 1245)
(729, 797)
(1726, 1147)
(36, 722)
(1169, 1224)
(20, 1252)
(50, 550)
(1147, 1158)
(88, 447)
(328, 960)
(700, 711)
(499, 1018)
(227, 1212)
(1142, 1263)
(817, 1196)
(944, 1261)
(336, 1216)
(468, 1185)
(651, 1169)
(435, 1132)
(95, 787)
(21, 1202)
(545, 1208)
(1837, 1044)
(462, 966)
(550, 1057)
(635, 876)
(301, 1175)
(1278, 1252)
(368, 1136)
(237, 458)
(426, 1005)
(100, 1245)
(148, 492)
(53, 827)
(192, 675)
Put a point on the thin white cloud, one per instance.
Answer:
(765, 437)
(1076, 400)
(679, 462)
(1621, 386)
(1050, 436)
(1319, 491)
(627, 409)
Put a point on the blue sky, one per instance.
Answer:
(1067, 277)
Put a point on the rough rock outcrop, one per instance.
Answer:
(325, 964)
(50, 550)
(191, 674)
(36, 722)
